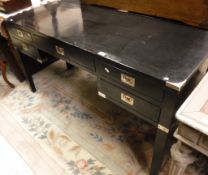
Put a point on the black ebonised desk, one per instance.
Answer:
(142, 64)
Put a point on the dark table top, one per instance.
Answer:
(153, 46)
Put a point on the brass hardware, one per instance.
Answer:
(25, 47)
(29, 36)
(39, 60)
(101, 94)
(128, 80)
(127, 99)
(163, 128)
(60, 51)
(107, 70)
(176, 86)
(19, 33)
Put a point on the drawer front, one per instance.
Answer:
(128, 100)
(203, 142)
(66, 52)
(189, 133)
(82, 58)
(138, 85)
(27, 50)
(51, 46)
(20, 34)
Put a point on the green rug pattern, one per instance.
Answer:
(84, 133)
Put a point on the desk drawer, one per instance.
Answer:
(128, 100)
(20, 34)
(51, 46)
(27, 50)
(66, 52)
(138, 85)
(189, 133)
(203, 142)
(82, 58)
(194, 138)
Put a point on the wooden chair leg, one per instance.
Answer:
(3, 69)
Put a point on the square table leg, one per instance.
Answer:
(69, 66)
(165, 129)
(27, 72)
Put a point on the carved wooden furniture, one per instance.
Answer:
(193, 129)
(145, 65)
(3, 67)
(3, 62)
(8, 49)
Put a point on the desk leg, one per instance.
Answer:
(160, 146)
(69, 66)
(164, 131)
(27, 72)
(31, 83)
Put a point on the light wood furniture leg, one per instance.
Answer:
(181, 158)
(3, 70)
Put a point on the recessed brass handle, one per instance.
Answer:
(25, 47)
(107, 70)
(126, 79)
(19, 33)
(127, 99)
(29, 36)
(60, 50)
(39, 60)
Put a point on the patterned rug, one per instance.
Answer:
(84, 133)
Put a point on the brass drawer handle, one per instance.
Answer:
(19, 33)
(128, 80)
(39, 60)
(107, 70)
(60, 50)
(127, 99)
(29, 36)
(25, 47)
